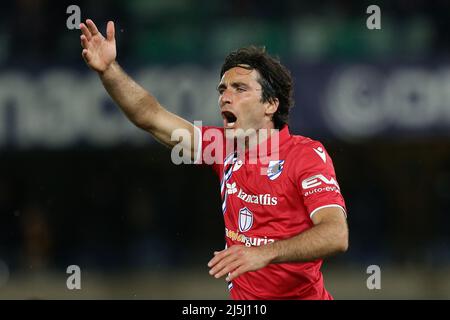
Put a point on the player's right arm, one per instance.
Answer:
(137, 103)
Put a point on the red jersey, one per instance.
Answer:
(266, 202)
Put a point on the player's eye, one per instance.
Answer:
(240, 89)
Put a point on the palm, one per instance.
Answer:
(102, 52)
(98, 52)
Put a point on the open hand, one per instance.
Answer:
(98, 52)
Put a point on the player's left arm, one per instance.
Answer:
(327, 237)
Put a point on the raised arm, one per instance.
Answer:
(138, 104)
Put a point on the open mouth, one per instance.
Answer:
(229, 119)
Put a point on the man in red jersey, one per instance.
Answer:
(283, 209)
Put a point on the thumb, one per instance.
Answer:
(110, 32)
(86, 55)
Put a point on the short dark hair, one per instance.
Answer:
(275, 79)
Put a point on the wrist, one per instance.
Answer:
(271, 252)
(110, 68)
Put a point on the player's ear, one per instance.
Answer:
(271, 106)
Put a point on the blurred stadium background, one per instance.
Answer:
(79, 185)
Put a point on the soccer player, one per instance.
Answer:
(282, 217)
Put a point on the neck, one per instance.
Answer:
(253, 138)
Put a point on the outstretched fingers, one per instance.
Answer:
(92, 27)
(84, 29)
(222, 266)
(86, 55)
(110, 31)
(84, 41)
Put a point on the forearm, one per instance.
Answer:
(137, 103)
(320, 241)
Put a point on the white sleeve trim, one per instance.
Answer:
(328, 206)
(198, 154)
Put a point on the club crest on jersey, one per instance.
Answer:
(245, 219)
(274, 169)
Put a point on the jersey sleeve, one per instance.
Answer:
(316, 179)
(210, 147)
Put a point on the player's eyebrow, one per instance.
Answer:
(221, 86)
(239, 84)
(233, 84)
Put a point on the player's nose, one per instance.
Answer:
(225, 98)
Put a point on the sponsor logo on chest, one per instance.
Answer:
(262, 199)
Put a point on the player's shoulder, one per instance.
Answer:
(305, 152)
(301, 145)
